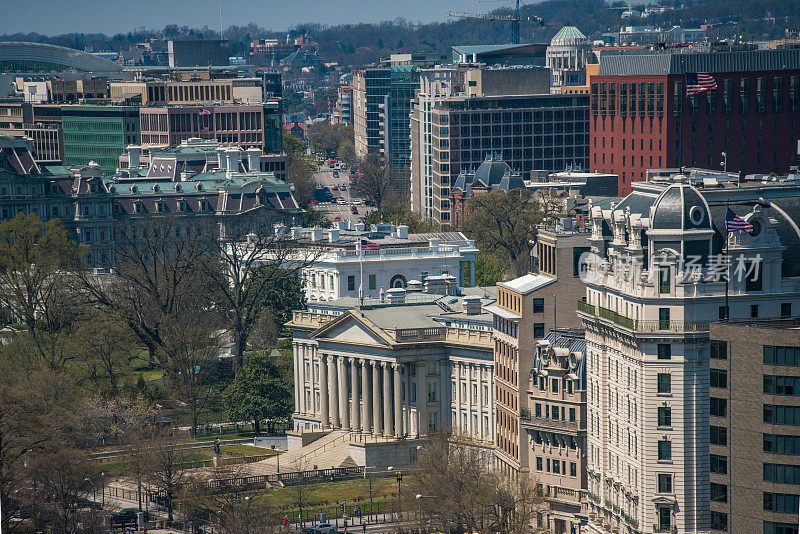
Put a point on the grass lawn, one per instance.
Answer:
(231, 435)
(326, 497)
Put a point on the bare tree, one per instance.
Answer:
(104, 342)
(256, 273)
(453, 485)
(155, 264)
(165, 467)
(227, 505)
(373, 181)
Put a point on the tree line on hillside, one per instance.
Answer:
(363, 43)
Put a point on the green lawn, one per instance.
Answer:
(249, 450)
(326, 497)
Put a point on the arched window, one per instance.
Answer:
(398, 280)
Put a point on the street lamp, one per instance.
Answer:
(724, 161)
(276, 448)
(399, 478)
(419, 508)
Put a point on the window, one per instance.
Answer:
(663, 279)
(771, 527)
(538, 330)
(723, 313)
(664, 416)
(664, 483)
(719, 521)
(719, 407)
(538, 410)
(665, 450)
(538, 305)
(663, 318)
(555, 385)
(778, 444)
(719, 435)
(556, 467)
(719, 350)
(785, 503)
(538, 463)
(664, 517)
(664, 383)
(787, 356)
(572, 415)
(719, 378)
(577, 252)
(664, 351)
(782, 415)
(719, 492)
(719, 464)
(754, 310)
(786, 309)
(432, 392)
(782, 474)
(781, 385)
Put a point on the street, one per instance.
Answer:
(324, 176)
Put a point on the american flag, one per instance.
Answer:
(204, 112)
(369, 245)
(734, 223)
(699, 82)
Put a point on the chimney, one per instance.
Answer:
(232, 156)
(396, 295)
(333, 235)
(359, 227)
(253, 159)
(220, 157)
(280, 230)
(134, 151)
(402, 231)
(414, 285)
(316, 234)
(472, 305)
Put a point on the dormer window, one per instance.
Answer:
(160, 207)
(155, 188)
(663, 279)
(138, 207)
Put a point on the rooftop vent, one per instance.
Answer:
(472, 305)
(396, 295)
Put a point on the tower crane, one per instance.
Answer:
(514, 19)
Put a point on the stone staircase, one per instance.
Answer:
(329, 451)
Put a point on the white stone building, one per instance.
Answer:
(651, 418)
(415, 364)
(400, 258)
(569, 51)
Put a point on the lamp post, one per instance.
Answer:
(278, 454)
(94, 499)
(725, 161)
(399, 478)
(419, 509)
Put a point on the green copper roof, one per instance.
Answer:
(568, 35)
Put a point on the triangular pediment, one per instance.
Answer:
(348, 329)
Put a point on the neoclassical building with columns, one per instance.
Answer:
(414, 364)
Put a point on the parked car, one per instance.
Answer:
(354, 210)
(335, 174)
(127, 516)
(324, 528)
(340, 200)
(335, 188)
(342, 187)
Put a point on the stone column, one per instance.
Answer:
(387, 403)
(398, 401)
(302, 376)
(366, 401)
(355, 423)
(377, 427)
(422, 398)
(296, 354)
(479, 379)
(323, 392)
(333, 399)
(344, 412)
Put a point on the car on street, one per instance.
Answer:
(313, 202)
(369, 203)
(342, 187)
(335, 174)
(354, 210)
(323, 528)
(127, 516)
(340, 200)
(335, 188)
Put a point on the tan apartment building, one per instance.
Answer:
(527, 309)
(754, 380)
(191, 91)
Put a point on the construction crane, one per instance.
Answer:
(514, 19)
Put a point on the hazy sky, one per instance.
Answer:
(114, 16)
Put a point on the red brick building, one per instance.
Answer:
(642, 119)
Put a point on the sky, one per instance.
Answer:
(54, 17)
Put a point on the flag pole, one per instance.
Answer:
(361, 272)
(727, 263)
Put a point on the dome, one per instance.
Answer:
(569, 36)
(680, 207)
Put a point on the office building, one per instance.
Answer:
(360, 368)
(343, 109)
(654, 280)
(755, 442)
(642, 119)
(396, 259)
(98, 133)
(527, 309)
(463, 114)
(245, 125)
(198, 53)
(41, 123)
(199, 89)
(501, 54)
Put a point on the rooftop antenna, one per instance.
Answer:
(220, 20)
